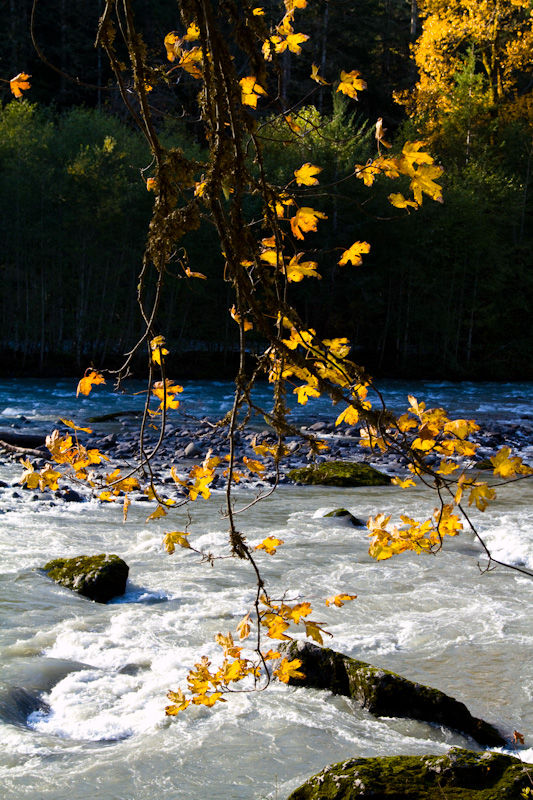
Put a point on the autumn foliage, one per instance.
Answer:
(267, 254)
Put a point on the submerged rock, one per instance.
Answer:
(339, 473)
(458, 775)
(343, 513)
(99, 578)
(386, 694)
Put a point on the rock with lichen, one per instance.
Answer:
(99, 578)
(339, 473)
(458, 775)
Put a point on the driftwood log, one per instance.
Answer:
(23, 444)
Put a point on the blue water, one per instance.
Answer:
(42, 400)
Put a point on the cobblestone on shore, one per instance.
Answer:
(187, 442)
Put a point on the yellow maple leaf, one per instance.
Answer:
(173, 538)
(191, 60)
(411, 155)
(251, 90)
(305, 220)
(350, 416)
(305, 176)
(403, 484)
(296, 269)
(166, 392)
(157, 348)
(423, 183)
(244, 627)
(314, 631)
(90, 379)
(289, 669)
(172, 45)
(269, 544)
(179, 703)
(70, 424)
(481, 494)
(48, 478)
(19, 84)
(354, 254)
(300, 610)
(290, 5)
(276, 627)
(340, 599)
(253, 465)
(193, 33)
(505, 466)
(367, 173)
(399, 201)
(294, 40)
(351, 83)
(305, 392)
(159, 512)
(316, 77)
(29, 476)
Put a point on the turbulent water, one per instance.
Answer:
(83, 685)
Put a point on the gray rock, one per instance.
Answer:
(193, 450)
(99, 578)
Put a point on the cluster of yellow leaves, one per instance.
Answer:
(46, 478)
(415, 164)
(431, 431)
(284, 39)
(189, 60)
(199, 478)
(387, 541)
(327, 358)
(166, 392)
(207, 686)
(251, 90)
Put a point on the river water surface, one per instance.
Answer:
(103, 671)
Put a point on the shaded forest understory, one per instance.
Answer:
(445, 292)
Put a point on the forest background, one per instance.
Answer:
(445, 292)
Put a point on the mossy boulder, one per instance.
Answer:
(384, 693)
(99, 578)
(458, 775)
(339, 473)
(344, 514)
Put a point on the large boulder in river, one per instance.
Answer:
(339, 473)
(458, 775)
(99, 578)
(384, 693)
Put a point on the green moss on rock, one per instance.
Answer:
(458, 775)
(339, 473)
(99, 578)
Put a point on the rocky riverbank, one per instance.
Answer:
(187, 442)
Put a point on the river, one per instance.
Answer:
(103, 671)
